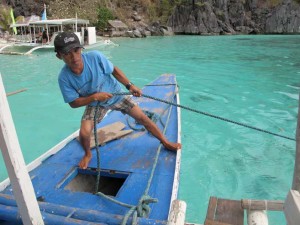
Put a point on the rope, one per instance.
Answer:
(208, 114)
(97, 149)
(160, 84)
(114, 200)
(143, 209)
(152, 116)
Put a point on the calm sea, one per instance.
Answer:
(253, 80)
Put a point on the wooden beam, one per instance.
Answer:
(224, 212)
(211, 209)
(16, 92)
(15, 164)
(213, 222)
(273, 205)
(296, 178)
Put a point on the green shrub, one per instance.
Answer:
(5, 18)
(104, 14)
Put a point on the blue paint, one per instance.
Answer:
(133, 154)
(8, 210)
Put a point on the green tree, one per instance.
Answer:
(165, 10)
(104, 14)
(5, 18)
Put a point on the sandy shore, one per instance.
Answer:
(2, 42)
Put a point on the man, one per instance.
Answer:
(45, 37)
(88, 79)
(85, 36)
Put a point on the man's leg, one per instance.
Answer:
(86, 128)
(85, 138)
(141, 118)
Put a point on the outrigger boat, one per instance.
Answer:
(31, 31)
(131, 179)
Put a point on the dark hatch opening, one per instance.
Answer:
(85, 181)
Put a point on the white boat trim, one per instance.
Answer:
(31, 166)
(5, 46)
(12, 154)
(38, 47)
(178, 158)
(177, 213)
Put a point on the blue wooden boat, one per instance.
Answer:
(138, 178)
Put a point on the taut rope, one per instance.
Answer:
(208, 114)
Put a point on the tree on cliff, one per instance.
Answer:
(5, 18)
(104, 14)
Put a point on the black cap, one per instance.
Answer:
(65, 41)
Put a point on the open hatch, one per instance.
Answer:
(79, 180)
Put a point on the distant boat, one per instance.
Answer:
(40, 34)
(137, 175)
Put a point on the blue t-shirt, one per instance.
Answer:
(95, 77)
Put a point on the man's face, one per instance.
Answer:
(72, 58)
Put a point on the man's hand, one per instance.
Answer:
(135, 91)
(102, 96)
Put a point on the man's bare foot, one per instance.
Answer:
(83, 164)
(172, 146)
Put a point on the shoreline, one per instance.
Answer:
(3, 42)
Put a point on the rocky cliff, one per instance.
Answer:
(199, 17)
(213, 17)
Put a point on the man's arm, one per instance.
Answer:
(120, 76)
(82, 101)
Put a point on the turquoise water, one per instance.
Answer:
(250, 79)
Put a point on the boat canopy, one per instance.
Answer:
(57, 22)
(61, 22)
(33, 30)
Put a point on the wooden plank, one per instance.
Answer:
(224, 212)
(15, 164)
(230, 211)
(192, 224)
(108, 133)
(212, 222)
(104, 137)
(211, 210)
(16, 92)
(114, 126)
